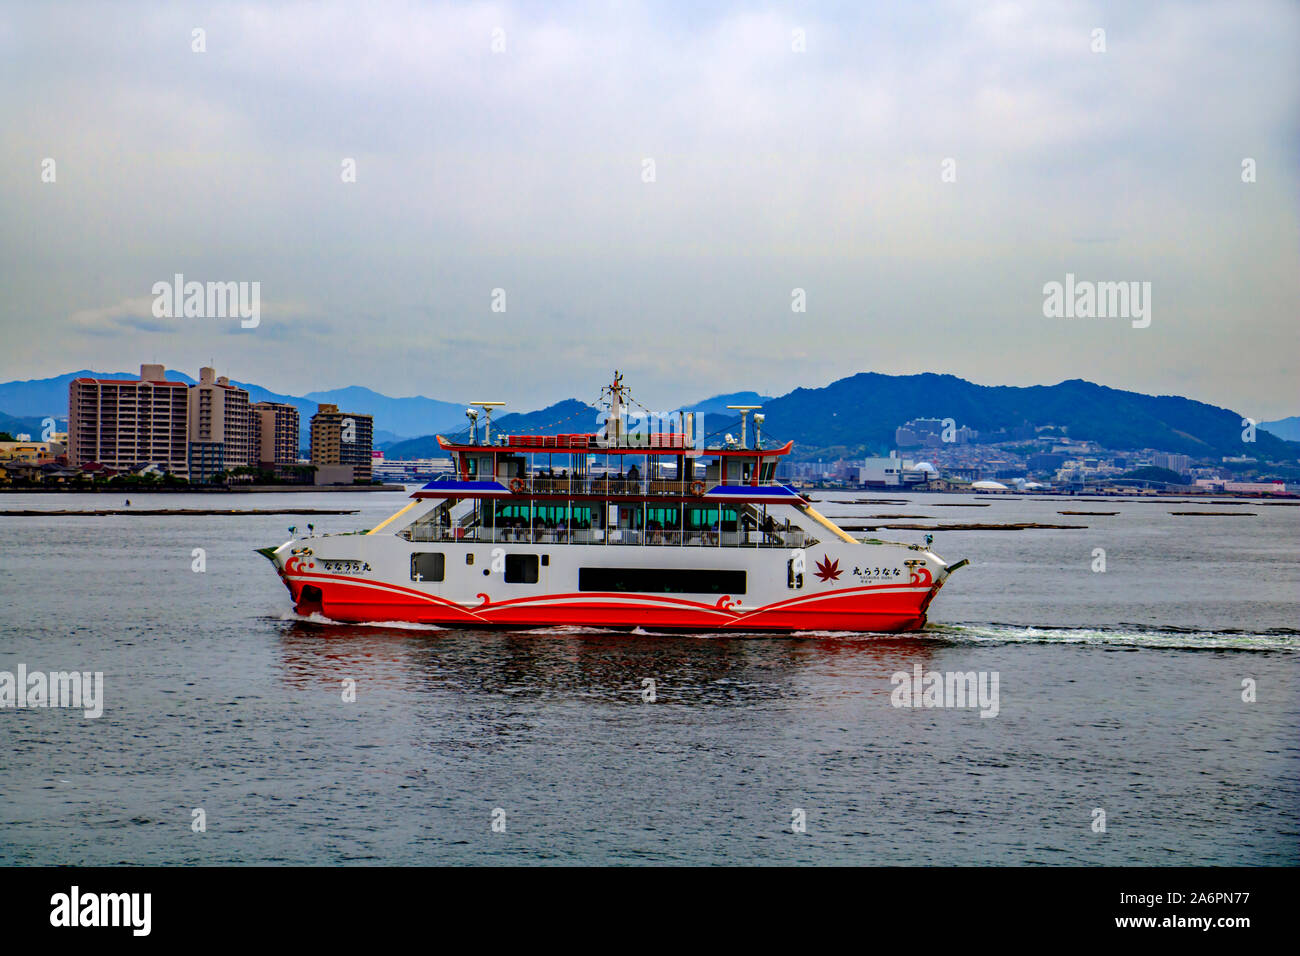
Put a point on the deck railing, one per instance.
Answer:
(583, 486)
(614, 537)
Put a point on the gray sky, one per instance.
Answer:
(774, 170)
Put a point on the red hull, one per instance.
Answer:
(876, 608)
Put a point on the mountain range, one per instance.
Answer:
(858, 415)
(1287, 428)
(855, 415)
(864, 409)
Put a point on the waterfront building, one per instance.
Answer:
(341, 439)
(275, 437)
(220, 426)
(121, 422)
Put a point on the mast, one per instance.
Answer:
(614, 431)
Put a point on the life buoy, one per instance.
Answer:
(697, 488)
(517, 485)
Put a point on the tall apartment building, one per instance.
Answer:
(125, 422)
(1178, 463)
(275, 435)
(220, 426)
(342, 438)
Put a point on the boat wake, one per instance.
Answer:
(1278, 639)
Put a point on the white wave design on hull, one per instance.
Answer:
(952, 633)
(317, 618)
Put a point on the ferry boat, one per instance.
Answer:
(639, 524)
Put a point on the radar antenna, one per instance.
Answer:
(487, 423)
(744, 418)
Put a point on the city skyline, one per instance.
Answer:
(317, 395)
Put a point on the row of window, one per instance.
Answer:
(582, 515)
(662, 580)
(524, 569)
(519, 568)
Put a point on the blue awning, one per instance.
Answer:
(754, 493)
(441, 488)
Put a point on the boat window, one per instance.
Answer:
(708, 517)
(662, 517)
(521, 569)
(428, 565)
(662, 580)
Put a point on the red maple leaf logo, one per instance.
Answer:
(828, 570)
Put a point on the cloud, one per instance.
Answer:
(129, 315)
(774, 169)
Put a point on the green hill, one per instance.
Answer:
(862, 411)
